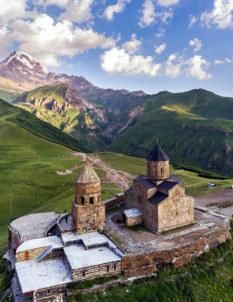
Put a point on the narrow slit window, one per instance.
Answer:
(82, 200)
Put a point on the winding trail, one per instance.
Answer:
(120, 178)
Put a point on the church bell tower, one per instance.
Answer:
(157, 165)
(88, 212)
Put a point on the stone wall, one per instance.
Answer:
(137, 198)
(107, 269)
(89, 218)
(176, 211)
(140, 264)
(133, 220)
(83, 193)
(116, 202)
(158, 170)
(14, 239)
(57, 293)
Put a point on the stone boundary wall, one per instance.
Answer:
(148, 263)
(116, 202)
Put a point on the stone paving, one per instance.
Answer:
(142, 240)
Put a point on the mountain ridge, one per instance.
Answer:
(196, 126)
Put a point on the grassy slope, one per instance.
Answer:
(7, 95)
(26, 120)
(194, 127)
(195, 184)
(28, 164)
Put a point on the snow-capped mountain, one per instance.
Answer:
(21, 67)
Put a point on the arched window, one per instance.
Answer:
(107, 268)
(161, 170)
(92, 200)
(82, 200)
(84, 273)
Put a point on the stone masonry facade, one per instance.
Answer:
(162, 200)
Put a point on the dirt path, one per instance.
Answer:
(215, 197)
(120, 178)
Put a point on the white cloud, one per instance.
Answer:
(173, 68)
(5, 40)
(59, 3)
(148, 13)
(48, 40)
(117, 8)
(133, 45)
(118, 61)
(196, 44)
(150, 16)
(165, 16)
(168, 2)
(78, 11)
(194, 67)
(224, 61)
(197, 68)
(221, 15)
(160, 49)
(11, 9)
(192, 21)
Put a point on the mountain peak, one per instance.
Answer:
(21, 67)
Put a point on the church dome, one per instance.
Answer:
(87, 174)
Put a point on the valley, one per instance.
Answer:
(195, 127)
(40, 163)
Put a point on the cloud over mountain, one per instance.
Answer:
(60, 38)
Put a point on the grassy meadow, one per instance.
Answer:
(195, 184)
(28, 169)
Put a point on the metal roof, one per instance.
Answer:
(158, 197)
(145, 181)
(167, 185)
(157, 154)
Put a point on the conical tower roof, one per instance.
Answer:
(88, 174)
(157, 154)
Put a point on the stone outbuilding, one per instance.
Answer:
(133, 217)
(161, 200)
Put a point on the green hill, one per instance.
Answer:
(8, 95)
(31, 153)
(60, 106)
(195, 128)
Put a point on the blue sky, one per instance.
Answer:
(149, 45)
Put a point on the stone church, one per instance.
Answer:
(157, 200)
